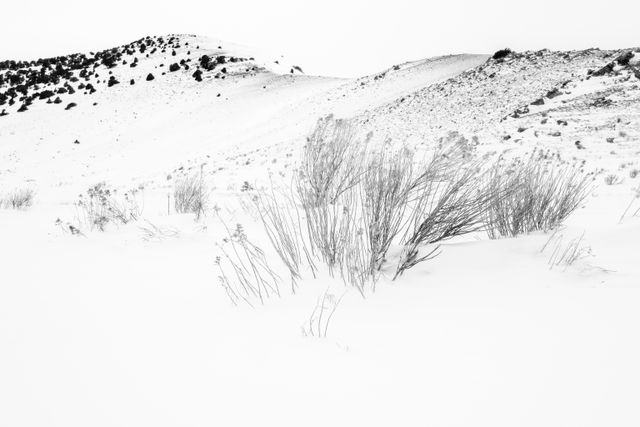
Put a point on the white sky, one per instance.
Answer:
(330, 37)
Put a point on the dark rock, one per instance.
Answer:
(625, 58)
(150, 77)
(607, 69)
(71, 105)
(553, 93)
(174, 67)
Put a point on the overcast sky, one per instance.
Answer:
(330, 37)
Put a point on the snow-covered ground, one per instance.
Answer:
(130, 326)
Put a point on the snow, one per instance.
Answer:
(114, 329)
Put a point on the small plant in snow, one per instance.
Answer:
(537, 194)
(566, 255)
(631, 209)
(101, 206)
(190, 195)
(320, 318)
(19, 199)
(612, 179)
(251, 277)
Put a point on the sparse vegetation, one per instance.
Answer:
(351, 204)
(285, 228)
(531, 195)
(190, 195)
(632, 208)
(101, 206)
(254, 277)
(21, 198)
(612, 179)
(565, 255)
(320, 318)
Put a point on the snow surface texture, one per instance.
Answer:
(130, 327)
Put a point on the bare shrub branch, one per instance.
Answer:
(283, 223)
(254, 277)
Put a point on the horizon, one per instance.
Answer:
(363, 38)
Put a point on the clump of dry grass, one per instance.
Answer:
(540, 194)
(612, 179)
(101, 206)
(21, 198)
(190, 195)
(566, 255)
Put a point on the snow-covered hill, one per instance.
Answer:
(131, 327)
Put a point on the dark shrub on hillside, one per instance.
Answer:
(71, 105)
(198, 75)
(150, 77)
(205, 62)
(46, 94)
(174, 67)
(503, 53)
(112, 81)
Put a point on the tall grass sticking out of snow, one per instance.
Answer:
(190, 195)
(540, 194)
(21, 198)
(254, 278)
(102, 205)
(350, 205)
(284, 225)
